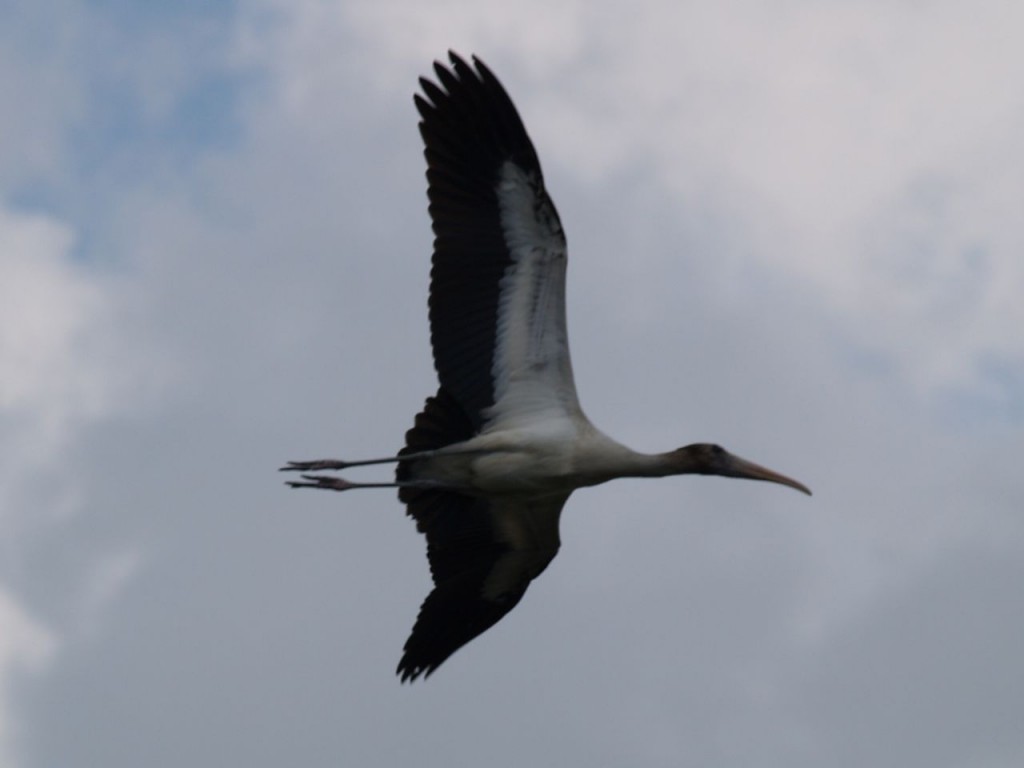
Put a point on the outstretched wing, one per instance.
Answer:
(483, 555)
(497, 291)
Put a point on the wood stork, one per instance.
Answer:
(493, 456)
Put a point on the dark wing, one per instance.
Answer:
(483, 555)
(497, 291)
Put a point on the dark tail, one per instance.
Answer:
(441, 422)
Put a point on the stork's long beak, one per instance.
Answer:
(737, 467)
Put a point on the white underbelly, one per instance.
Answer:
(549, 457)
(522, 473)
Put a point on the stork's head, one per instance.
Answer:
(711, 459)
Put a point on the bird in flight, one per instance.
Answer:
(493, 456)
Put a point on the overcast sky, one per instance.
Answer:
(795, 229)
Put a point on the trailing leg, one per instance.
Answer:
(340, 484)
(326, 464)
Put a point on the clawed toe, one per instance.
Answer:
(319, 481)
(313, 466)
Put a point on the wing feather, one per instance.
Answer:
(497, 294)
(483, 555)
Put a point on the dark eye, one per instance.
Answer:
(717, 451)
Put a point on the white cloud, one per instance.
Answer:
(101, 586)
(870, 149)
(61, 346)
(64, 364)
(41, 311)
(44, 306)
(25, 647)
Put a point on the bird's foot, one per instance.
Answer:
(314, 466)
(324, 483)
